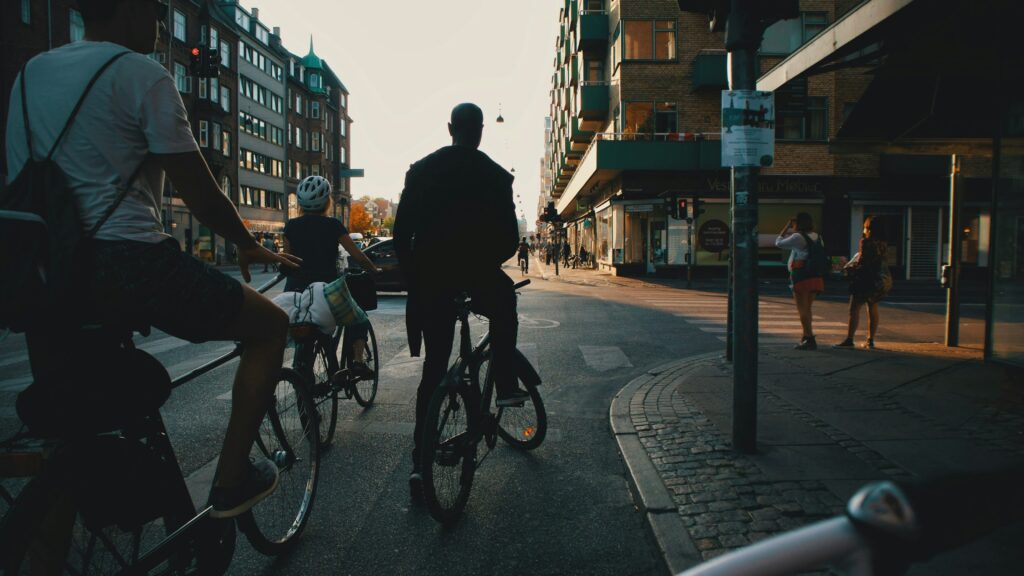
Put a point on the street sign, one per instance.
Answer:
(748, 128)
(352, 173)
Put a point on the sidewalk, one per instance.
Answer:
(828, 422)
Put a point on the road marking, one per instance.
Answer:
(163, 345)
(770, 330)
(604, 358)
(772, 323)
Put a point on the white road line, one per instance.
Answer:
(763, 321)
(163, 345)
(604, 358)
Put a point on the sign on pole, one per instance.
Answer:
(748, 128)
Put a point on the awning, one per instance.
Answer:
(941, 73)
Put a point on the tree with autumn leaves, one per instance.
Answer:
(359, 219)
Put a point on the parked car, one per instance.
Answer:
(383, 255)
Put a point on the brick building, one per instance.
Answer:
(318, 128)
(636, 106)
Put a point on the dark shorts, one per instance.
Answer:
(141, 284)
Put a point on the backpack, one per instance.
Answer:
(41, 232)
(817, 262)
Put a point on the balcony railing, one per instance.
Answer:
(593, 32)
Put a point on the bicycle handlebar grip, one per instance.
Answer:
(521, 284)
(954, 510)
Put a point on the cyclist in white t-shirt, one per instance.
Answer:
(139, 276)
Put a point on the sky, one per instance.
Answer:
(407, 63)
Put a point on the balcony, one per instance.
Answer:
(578, 137)
(593, 32)
(573, 12)
(574, 70)
(593, 101)
(710, 71)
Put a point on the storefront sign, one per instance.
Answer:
(713, 236)
(748, 128)
(639, 208)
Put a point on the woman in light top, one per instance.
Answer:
(807, 281)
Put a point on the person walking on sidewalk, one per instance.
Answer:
(457, 207)
(870, 281)
(806, 270)
(566, 253)
(269, 244)
(524, 257)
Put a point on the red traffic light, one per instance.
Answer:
(195, 51)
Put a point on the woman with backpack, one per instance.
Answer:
(870, 281)
(806, 270)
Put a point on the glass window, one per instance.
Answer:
(594, 5)
(298, 137)
(262, 35)
(225, 98)
(202, 87)
(594, 71)
(639, 118)
(315, 140)
(664, 40)
(344, 128)
(813, 23)
(817, 118)
(214, 38)
(665, 118)
(26, 11)
(225, 54)
(77, 25)
(800, 117)
(639, 40)
(225, 186)
(181, 80)
(298, 104)
(214, 89)
(343, 157)
(785, 36)
(216, 136)
(225, 144)
(204, 134)
(314, 109)
(180, 26)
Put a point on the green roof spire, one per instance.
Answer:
(311, 60)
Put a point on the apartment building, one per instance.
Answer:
(636, 106)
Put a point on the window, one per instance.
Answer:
(316, 169)
(77, 25)
(298, 137)
(225, 186)
(216, 135)
(289, 130)
(798, 116)
(242, 19)
(594, 5)
(594, 71)
(344, 100)
(314, 109)
(180, 26)
(225, 98)
(785, 36)
(639, 118)
(665, 119)
(225, 144)
(262, 35)
(214, 89)
(315, 141)
(181, 80)
(26, 11)
(650, 40)
(344, 128)
(342, 157)
(214, 38)
(204, 134)
(298, 104)
(225, 54)
(202, 87)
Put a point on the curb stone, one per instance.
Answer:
(652, 496)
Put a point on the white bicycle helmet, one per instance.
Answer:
(313, 192)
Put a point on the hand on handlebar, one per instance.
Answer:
(256, 254)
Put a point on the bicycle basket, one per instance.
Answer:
(363, 289)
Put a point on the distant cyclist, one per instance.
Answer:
(524, 256)
(314, 237)
(133, 122)
(457, 207)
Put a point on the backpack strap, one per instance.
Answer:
(117, 201)
(24, 112)
(78, 105)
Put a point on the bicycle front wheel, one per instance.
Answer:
(325, 396)
(289, 437)
(448, 451)
(365, 389)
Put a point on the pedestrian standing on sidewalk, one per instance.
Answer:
(269, 244)
(870, 281)
(566, 252)
(806, 270)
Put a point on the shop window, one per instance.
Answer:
(650, 40)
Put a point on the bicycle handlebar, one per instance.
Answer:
(887, 526)
(270, 283)
(519, 285)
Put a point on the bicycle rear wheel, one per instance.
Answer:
(365, 389)
(522, 427)
(448, 451)
(325, 396)
(289, 437)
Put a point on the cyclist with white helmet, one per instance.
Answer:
(314, 237)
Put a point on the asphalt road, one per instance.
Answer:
(564, 508)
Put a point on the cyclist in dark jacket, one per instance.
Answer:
(457, 207)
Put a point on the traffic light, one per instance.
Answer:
(672, 207)
(698, 207)
(195, 60)
(682, 208)
(211, 60)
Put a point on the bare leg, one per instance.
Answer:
(872, 320)
(803, 308)
(855, 305)
(262, 328)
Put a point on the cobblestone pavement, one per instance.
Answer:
(828, 423)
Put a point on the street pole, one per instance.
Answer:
(743, 38)
(558, 246)
(955, 250)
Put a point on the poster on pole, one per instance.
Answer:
(748, 128)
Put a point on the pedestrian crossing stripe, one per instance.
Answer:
(780, 330)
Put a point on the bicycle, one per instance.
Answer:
(316, 359)
(112, 499)
(887, 527)
(460, 415)
(524, 266)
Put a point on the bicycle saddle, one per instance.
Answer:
(97, 388)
